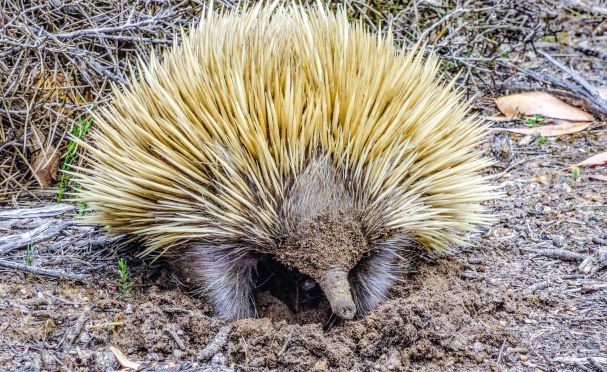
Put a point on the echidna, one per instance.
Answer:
(285, 132)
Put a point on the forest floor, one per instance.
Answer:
(515, 300)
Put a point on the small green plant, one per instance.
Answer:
(453, 66)
(575, 173)
(533, 121)
(82, 208)
(124, 281)
(79, 130)
(542, 140)
(29, 256)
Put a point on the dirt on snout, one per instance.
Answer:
(445, 317)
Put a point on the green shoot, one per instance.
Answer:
(124, 281)
(29, 256)
(575, 173)
(542, 140)
(71, 156)
(533, 121)
(453, 66)
(82, 207)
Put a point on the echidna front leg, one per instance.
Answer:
(373, 276)
(223, 274)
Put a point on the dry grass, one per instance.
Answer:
(57, 58)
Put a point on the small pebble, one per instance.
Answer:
(85, 337)
(153, 357)
(104, 361)
(558, 241)
(321, 365)
(469, 274)
(219, 359)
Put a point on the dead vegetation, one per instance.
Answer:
(58, 59)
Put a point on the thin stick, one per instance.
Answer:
(221, 338)
(48, 230)
(42, 271)
(583, 82)
(47, 211)
(559, 253)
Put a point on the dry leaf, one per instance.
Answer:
(497, 118)
(598, 177)
(123, 360)
(540, 103)
(45, 166)
(58, 88)
(526, 140)
(598, 159)
(44, 160)
(566, 127)
(36, 140)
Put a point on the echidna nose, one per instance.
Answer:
(346, 311)
(334, 283)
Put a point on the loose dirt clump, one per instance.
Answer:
(331, 239)
(438, 320)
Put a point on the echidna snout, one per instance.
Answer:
(336, 287)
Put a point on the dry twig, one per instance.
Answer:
(42, 271)
(46, 231)
(218, 342)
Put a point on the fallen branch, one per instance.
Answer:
(592, 92)
(70, 335)
(587, 360)
(42, 271)
(579, 89)
(536, 287)
(48, 230)
(595, 262)
(559, 253)
(587, 6)
(47, 211)
(178, 340)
